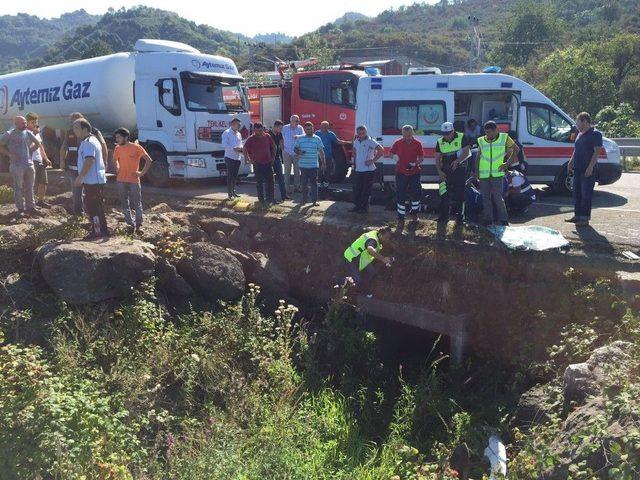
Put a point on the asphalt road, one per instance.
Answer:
(615, 217)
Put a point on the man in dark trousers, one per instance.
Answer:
(69, 159)
(584, 165)
(260, 151)
(452, 150)
(408, 187)
(276, 135)
(366, 152)
(91, 176)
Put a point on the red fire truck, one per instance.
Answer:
(314, 96)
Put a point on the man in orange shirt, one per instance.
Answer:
(127, 156)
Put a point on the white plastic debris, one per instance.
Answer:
(496, 452)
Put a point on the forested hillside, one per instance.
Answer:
(24, 37)
(585, 54)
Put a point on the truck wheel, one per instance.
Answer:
(340, 172)
(158, 174)
(564, 182)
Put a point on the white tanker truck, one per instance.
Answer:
(176, 100)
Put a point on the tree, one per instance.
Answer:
(530, 28)
(315, 46)
(618, 122)
(578, 80)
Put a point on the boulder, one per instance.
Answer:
(629, 283)
(586, 437)
(214, 224)
(239, 240)
(532, 408)
(213, 272)
(171, 281)
(160, 208)
(23, 236)
(82, 272)
(593, 426)
(582, 380)
(269, 275)
(219, 238)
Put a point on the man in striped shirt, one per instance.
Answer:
(309, 147)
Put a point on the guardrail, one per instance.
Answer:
(629, 147)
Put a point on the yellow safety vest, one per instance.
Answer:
(358, 248)
(492, 155)
(450, 147)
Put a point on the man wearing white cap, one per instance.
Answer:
(452, 150)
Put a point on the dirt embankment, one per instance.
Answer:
(516, 303)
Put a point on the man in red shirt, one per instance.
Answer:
(410, 155)
(260, 151)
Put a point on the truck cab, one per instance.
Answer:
(315, 96)
(184, 101)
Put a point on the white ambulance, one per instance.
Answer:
(385, 104)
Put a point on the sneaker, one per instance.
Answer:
(315, 204)
(43, 204)
(91, 236)
(131, 230)
(582, 223)
(138, 231)
(236, 195)
(573, 219)
(286, 197)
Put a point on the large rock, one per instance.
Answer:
(171, 281)
(82, 272)
(25, 235)
(586, 437)
(214, 224)
(582, 380)
(533, 408)
(592, 426)
(213, 272)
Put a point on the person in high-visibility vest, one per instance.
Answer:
(496, 152)
(452, 151)
(362, 253)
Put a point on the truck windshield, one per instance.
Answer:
(204, 94)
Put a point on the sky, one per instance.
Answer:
(292, 17)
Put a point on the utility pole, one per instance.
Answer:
(476, 43)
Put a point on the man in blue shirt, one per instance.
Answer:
(584, 165)
(308, 147)
(329, 139)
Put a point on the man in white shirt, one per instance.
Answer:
(289, 133)
(232, 143)
(92, 177)
(366, 152)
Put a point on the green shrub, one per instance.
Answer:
(6, 194)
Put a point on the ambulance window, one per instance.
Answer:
(311, 88)
(544, 122)
(425, 116)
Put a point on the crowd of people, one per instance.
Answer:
(482, 171)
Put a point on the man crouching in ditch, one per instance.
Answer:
(361, 255)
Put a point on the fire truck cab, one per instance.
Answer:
(315, 96)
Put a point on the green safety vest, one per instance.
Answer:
(450, 147)
(492, 156)
(358, 248)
